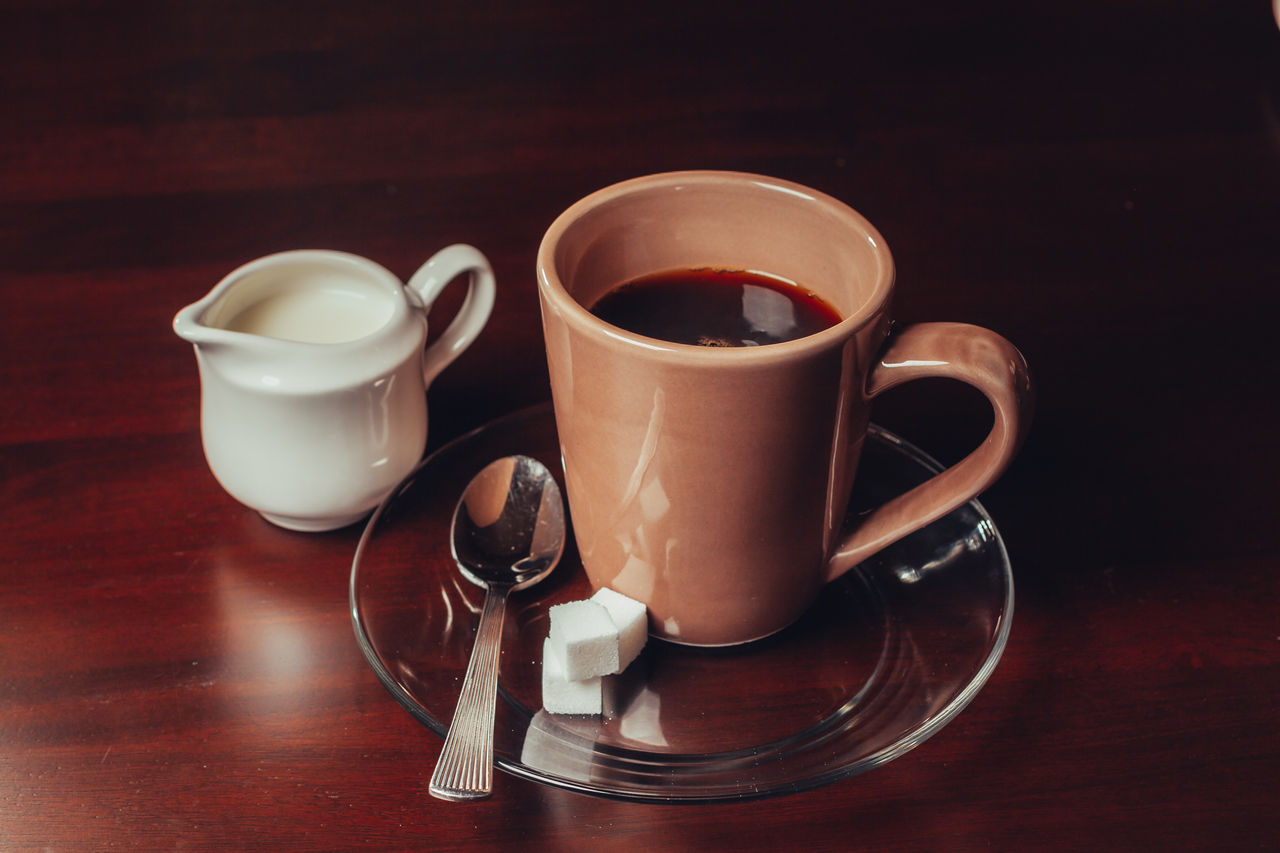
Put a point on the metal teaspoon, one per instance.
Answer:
(508, 534)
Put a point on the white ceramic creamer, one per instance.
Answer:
(313, 377)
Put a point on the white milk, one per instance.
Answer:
(316, 316)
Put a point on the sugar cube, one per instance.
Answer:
(562, 695)
(584, 639)
(630, 618)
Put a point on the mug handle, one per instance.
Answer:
(973, 355)
(431, 278)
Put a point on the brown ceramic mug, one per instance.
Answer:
(711, 483)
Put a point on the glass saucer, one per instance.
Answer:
(888, 655)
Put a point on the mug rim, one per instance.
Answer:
(554, 290)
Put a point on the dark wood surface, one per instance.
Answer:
(1099, 181)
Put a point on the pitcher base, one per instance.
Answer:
(313, 525)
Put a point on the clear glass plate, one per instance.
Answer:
(888, 655)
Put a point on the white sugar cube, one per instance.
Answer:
(630, 618)
(562, 695)
(584, 638)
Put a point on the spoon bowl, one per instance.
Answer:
(508, 534)
(508, 527)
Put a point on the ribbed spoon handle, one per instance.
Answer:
(465, 769)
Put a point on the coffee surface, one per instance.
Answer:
(715, 308)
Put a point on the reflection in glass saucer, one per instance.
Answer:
(885, 658)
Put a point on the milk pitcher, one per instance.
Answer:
(313, 377)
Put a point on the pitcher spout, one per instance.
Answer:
(195, 325)
(202, 323)
(188, 324)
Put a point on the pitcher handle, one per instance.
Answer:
(431, 278)
(973, 355)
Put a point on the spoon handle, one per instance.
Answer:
(465, 769)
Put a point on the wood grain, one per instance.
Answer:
(1100, 182)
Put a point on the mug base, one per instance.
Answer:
(313, 525)
(723, 644)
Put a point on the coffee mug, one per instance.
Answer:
(313, 377)
(711, 482)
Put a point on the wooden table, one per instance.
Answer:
(1100, 181)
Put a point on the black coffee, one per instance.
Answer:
(715, 308)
